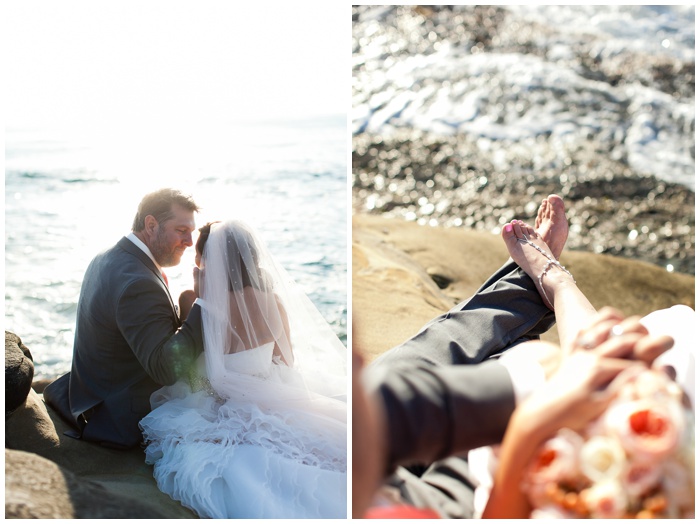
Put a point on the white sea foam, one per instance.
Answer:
(510, 97)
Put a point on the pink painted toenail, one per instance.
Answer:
(509, 228)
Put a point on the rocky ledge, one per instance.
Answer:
(49, 475)
(404, 274)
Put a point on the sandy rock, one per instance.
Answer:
(35, 428)
(38, 488)
(39, 385)
(397, 266)
(30, 427)
(19, 372)
(50, 475)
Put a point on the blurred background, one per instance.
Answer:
(467, 116)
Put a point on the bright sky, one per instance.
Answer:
(101, 67)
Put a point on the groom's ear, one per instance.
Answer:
(150, 224)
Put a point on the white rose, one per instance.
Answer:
(602, 458)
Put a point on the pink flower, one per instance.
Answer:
(558, 458)
(685, 453)
(652, 385)
(640, 476)
(638, 458)
(556, 461)
(679, 487)
(647, 429)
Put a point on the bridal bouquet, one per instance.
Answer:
(635, 460)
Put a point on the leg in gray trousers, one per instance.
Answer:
(504, 312)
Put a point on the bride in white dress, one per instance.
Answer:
(260, 431)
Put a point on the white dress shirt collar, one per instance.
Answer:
(143, 247)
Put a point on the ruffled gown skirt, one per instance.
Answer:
(280, 457)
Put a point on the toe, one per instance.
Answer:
(508, 232)
(556, 203)
(518, 226)
(541, 213)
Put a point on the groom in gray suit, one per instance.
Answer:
(129, 339)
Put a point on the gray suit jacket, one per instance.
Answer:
(128, 343)
(433, 416)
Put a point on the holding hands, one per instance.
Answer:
(608, 363)
(612, 335)
(591, 374)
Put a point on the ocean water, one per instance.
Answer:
(67, 197)
(563, 75)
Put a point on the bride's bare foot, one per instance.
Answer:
(529, 250)
(551, 224)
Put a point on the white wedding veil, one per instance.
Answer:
(266, 434)
(250, 302)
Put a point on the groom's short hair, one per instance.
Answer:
(160, 205)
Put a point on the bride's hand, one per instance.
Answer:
(585, 383)
(578, 392)
(609, 326)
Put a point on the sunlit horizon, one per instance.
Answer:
(95, 68)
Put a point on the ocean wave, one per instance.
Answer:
(622, 76)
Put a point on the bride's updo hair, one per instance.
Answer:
(203, 236)
(242, 256)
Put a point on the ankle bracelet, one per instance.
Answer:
(552, 262)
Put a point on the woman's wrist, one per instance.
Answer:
(536, 419)
(520, 443)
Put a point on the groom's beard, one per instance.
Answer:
(165, 255)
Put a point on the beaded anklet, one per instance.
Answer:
(552, 262)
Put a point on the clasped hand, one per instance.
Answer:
(591, 372)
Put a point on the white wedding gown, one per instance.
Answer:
(268, 451)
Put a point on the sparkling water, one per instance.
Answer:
(69, 197)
